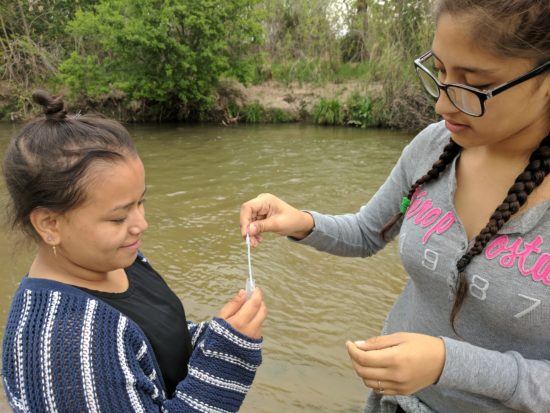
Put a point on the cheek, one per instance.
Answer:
(101, 236)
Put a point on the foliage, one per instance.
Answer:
(170, 53)
(278, 115)
(359, 111)
(32, 38)
(328, 112)
(252, 113)
(163, 59)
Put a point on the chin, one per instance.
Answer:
(127, 261)
(464, 141)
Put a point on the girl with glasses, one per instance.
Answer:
(93, 327)
(469, 202)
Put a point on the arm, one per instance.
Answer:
(359, 234)
(221, 370)
(351, 234)
(518, 382)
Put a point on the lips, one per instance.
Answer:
(134, 245)
(455, 127)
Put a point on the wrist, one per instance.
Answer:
(307, 223)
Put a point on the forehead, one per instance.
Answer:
(455, 47)
(454, 43)
(108, 183)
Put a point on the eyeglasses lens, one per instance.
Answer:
(468, 102)
(428, 83)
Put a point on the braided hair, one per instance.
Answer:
(449, 153)
(531, 177)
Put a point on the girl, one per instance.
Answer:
(471, 205)
(93, 327)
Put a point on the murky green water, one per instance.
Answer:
(197, 178)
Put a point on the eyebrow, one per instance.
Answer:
(473, 70)
(129, 204)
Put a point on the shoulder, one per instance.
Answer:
(68, 315)
(44, 299)
(423, 150)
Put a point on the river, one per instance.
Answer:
(197, 177)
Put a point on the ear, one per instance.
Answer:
(46, 225)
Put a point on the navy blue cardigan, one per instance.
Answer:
(66, 351)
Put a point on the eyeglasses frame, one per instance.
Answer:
(482, 95)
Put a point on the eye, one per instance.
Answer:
(141, 201)
(118, 221)
(440, 71)
(480, 87)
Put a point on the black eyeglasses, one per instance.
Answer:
(465, 98)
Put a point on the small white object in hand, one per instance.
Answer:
(250, 284)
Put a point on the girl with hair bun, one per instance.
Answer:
(469, 200)
(93, 327)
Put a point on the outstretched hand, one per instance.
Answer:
(400, 363)
(246, 316)
(267, 213)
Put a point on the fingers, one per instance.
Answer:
(388, 388)
(255, 325)
(256, 210)
(233, 306)
(249, 318)
(378, 378)
(408, 362)
(381, 342)
(371, 358)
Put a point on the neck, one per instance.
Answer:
(59, 268)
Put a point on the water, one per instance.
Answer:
(197, 177)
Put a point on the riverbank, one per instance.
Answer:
(355, 103)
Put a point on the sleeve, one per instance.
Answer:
(221, 370)
(519, 383)
(358, 235)
(196, 331)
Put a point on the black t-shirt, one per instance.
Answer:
(159, 312)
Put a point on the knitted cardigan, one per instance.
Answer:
(65, 351)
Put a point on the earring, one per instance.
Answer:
(54, 251)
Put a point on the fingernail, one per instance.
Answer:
(359, 342)
(252, 229)
(242, 293)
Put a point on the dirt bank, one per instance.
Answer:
(292, 98)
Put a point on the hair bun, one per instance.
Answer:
(53, 107)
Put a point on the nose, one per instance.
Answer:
(138, 223)
(444, 106)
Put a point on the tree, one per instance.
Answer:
(169, 54)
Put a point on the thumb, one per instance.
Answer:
(262, 225)
(233, 306)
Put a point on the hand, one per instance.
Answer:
(267, 213)
(246, 316)
(400, 363)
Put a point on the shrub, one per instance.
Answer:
(328, 112)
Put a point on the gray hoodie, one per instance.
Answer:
(501, 363)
